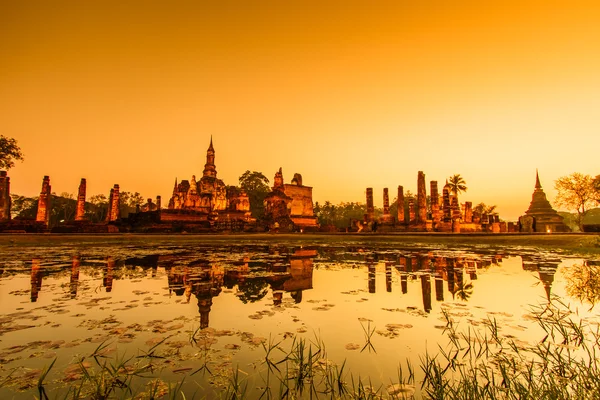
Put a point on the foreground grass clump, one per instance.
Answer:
(473, 364)
(562, 365)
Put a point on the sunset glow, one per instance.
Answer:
(349, 94)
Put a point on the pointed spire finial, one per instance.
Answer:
(537, 180)
(211, 144)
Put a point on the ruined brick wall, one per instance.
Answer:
(468, 212)
(4, 196)
(169, 216)
(301, 204)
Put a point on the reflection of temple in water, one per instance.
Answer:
(457, 272)
(283, 273)
(205, 281)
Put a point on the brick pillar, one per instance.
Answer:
(435, 202)
(400, 204)
(411, 210)
(446, 204)
(468, 212)
(4, 196)
(43, 211)
(386, 206)
(421, 199)
(158, 203)
(80, 213)
(370, 207)
(115, 212)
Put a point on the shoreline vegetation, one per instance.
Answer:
(471, 364)
(576, 243)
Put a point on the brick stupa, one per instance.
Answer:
(545, 218)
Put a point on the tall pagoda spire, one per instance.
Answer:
(209, 167)
(538, 185)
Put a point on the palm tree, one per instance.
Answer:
(457, 184)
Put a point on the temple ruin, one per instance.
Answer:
(206, 203)
(290, 205)
(540, 216)
(433, 213)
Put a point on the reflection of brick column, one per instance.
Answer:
(36, 279)
(4, 196)
(74, 276)
(468, 212)
(371, 269)
(400, 204)
(107, 280)
(435, 202)
(204, 305)
(386, 206)
(388, 276)
(370, 207)
(79, 215)
(43, 211)
(426, 292)
(421, 199)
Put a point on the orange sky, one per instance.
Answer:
(349, 94)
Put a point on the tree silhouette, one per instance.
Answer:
(576, 192)
(9, 152)
(457, 184)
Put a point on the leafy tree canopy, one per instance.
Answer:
(9, 152)
(483, 208)
(576, 192)
(457, 184)
(256, 185)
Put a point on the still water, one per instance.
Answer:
(207, 308)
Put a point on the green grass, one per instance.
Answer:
(472, 364)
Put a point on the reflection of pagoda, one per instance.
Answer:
(546, 271)
(541, 217)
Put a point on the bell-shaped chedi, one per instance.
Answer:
(541, 217)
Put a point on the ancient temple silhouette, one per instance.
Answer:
(541, 217)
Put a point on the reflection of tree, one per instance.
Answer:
(463, 290)
(583, 283)
(252, 290)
